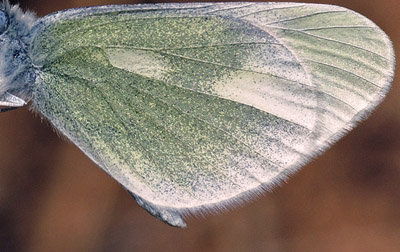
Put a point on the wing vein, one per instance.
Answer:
(338, 27)
(332, 40)
(304, 16)
(266, 10)
(344, 70)
(230, 8)
(194, 46)
(231, 67)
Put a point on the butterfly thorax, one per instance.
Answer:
(16, 71)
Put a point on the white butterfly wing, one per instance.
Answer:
(195, 107)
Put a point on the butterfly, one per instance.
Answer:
(198, 106)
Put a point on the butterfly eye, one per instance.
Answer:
(3, 21)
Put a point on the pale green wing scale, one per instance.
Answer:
(197, 107)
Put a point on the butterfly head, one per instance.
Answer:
(16, 71)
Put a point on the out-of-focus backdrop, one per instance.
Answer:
(53, 198)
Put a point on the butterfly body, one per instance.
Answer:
(17, 71)
(196, 107)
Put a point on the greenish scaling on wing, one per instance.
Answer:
(196, 107)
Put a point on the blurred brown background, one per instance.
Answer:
(53, 198)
